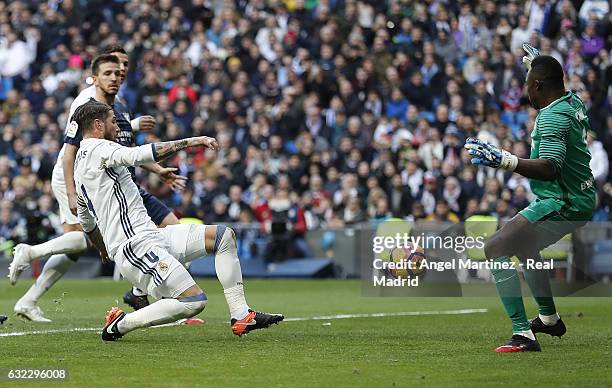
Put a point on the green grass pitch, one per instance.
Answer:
(442, 350)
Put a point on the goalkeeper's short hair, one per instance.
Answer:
(547, 68)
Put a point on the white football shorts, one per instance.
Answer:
(155, 262)
(58, 185)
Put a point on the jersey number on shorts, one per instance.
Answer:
(152, 257)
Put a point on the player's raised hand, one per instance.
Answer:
(147, 123)
(483, 153)
(168, 176)
(208, 142)
(532, 53)
(486, 154)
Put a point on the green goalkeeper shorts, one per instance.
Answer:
(552, 221)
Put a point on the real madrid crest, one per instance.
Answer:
(163, 266)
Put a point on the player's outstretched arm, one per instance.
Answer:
(486, 154)
(167, 149)
(540, 169)
(113, 155)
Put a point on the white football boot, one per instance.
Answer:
(30, 312)
(21, 261)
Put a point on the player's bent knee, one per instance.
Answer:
(492, 248)
(73, 256)
(72, 228)
(225, 239)
(529, 254)
(194, 304)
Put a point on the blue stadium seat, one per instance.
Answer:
(601, 262)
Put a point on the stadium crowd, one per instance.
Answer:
(328, 112)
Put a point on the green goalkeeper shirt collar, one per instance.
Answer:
(564, 96)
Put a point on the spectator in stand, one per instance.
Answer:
(599, 159)
(357, 110)
(236, 207)
(443, 213)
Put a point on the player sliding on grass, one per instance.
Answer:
(109, 71)
(560, 177)
(112, 213)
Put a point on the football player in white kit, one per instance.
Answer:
(111, 212)
(65, 249)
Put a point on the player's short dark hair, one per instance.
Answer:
(547, 68)
(101, 59)
(85, 114)
(113, 48)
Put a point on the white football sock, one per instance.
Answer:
(162, 311)
(549, 320)
(71, 242)
(229, 273)
(526, 333)
(53, 270)
(236, 302)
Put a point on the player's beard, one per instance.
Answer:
(110, 134)
(110, 95)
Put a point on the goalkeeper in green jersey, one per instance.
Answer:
(560, 176)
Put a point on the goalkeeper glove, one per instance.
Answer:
(488, 155)
(532, 53)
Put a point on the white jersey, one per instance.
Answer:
(70, 132)
(107, 195)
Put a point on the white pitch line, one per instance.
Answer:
(76, 329)
(295, 319)
(378, 315)
(53, 331)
